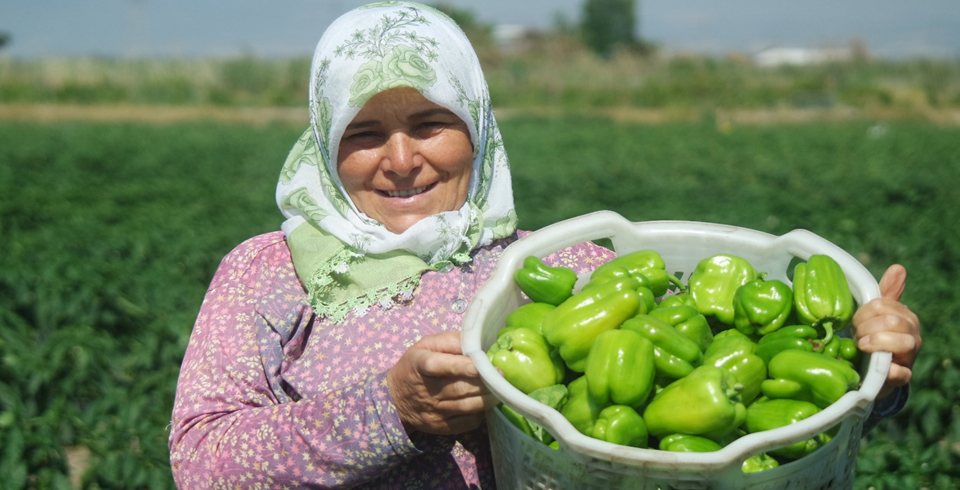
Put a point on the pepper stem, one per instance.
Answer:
(828, 331)
(676, 282)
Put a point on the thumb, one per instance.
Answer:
(893, 282)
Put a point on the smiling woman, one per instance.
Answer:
(328, 354)
(404, 158)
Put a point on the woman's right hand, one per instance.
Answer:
(437, 389)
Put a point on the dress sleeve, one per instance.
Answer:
(234, 423)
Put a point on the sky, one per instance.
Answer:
(191, 28)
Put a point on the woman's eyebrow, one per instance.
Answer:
(362, 124)
(432, 112)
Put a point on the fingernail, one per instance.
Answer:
(864, 341)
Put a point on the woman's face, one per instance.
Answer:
(404, 158)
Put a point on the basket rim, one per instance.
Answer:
(607, 224)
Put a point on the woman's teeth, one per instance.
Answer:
(407, 192)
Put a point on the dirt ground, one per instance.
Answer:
(299, 117)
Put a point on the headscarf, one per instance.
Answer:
(347, 260)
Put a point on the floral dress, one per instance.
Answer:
(271, 396)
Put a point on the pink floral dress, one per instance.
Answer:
(270, 396)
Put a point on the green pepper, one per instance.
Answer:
(735, 352)
(545, 284)
(619, 368)
(682, 298)
(821, 294)
(769, 414)
(704, 403)
(526, 360)
(622, 425)
(761, 306)
(809, 376)
(829, 349)
(714, 282)
(686, 443)
(674, 355)
(849, 350)
(529, 316)
(805, 332)
(648, 263)
(581, 409)
(613, 274)
(573, 325)
(687, 320)
(759, 462)
(766, 350)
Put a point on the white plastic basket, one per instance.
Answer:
(585, 463)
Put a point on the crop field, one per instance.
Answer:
(110, 233)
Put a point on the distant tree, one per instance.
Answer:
(607, 24)
(4, 39)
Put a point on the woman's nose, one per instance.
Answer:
(400, 155)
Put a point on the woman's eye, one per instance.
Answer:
(431, 126)
(362, 136)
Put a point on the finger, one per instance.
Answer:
(441, 365)
(456, 388)
(448, 342)
(469, 405)
(885, 322)
(897, 376)
(904, 347)
(893, 282)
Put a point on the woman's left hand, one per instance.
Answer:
(886, 324)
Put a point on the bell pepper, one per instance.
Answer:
(735, 352)
(545, 284)
(619, 368)
(714, 282)
(821, 295)
(529, 316)
(581, 409)
(805, 332)
(809, 376)
(674, 355)
(704, 403)
(759, 462)
(766, 350)
(849, 350)
(761, 307)
(573, 325)
(686, 443)
(769, 414)
(613, 274)
(526, 360)
(648, 263)
(622, 425)
(687, 320)
(682, 298)
(829, 349)
(799, 337)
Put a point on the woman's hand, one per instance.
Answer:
(437, 389)
(885, 324)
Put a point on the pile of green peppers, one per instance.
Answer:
(639, 358)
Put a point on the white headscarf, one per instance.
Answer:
(366, 51)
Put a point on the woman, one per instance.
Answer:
(328, 354)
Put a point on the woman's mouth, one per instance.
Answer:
(407, 192)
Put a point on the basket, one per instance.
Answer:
(584, 463)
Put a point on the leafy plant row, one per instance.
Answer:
(110, 233)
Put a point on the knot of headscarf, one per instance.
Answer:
(346, 260)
